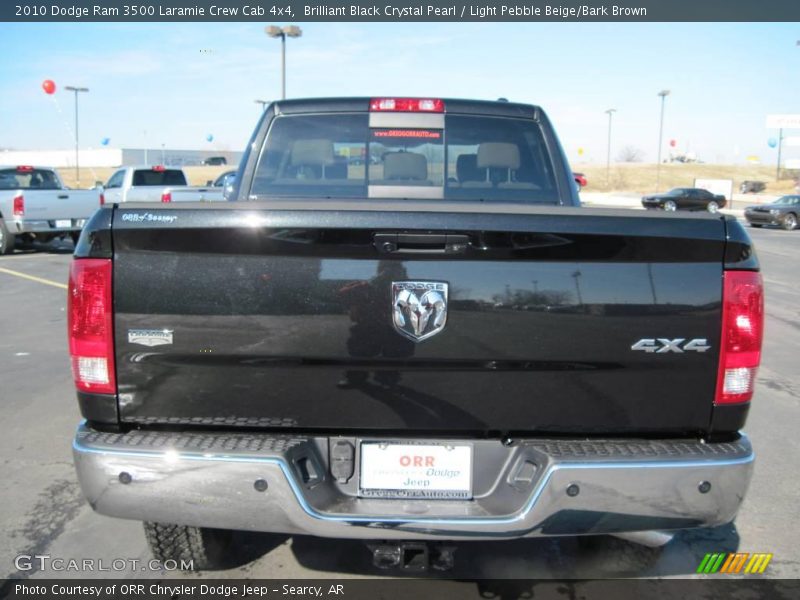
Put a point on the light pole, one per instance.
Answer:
(263, 104)
(76, 90)
(292, 31)
(663, 94)
(609, 112)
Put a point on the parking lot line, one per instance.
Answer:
(33, 278)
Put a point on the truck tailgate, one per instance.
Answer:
(249, 315)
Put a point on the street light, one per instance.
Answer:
(663, 94)
(263, 104)
(609, 112)
(292, 31)
(70, 88)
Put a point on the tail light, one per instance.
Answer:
(166, 197)
(102, 199)
(742, 333)
(19, 206)
(406, 105)
(90, 325)
(159, 168)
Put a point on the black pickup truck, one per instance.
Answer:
(433, 342)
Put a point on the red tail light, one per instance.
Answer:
(90, 325)
(102, 199)
(742, 333)
(24, 169)
(406, 105)
(166, 197)
(159, 168)
(19, 206)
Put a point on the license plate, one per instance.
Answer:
(63, 223)
(428, 470)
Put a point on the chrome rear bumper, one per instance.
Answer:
(533, 487)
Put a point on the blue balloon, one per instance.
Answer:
(209, 138)
(105, 141)
(772, 142)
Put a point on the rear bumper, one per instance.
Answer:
(19, 226)
(209, 480)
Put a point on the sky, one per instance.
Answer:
(177, 84)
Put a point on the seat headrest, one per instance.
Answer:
(467, 168)
(405, 165)
(312, 152)
(498, 155)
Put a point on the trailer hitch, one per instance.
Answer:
(412, 556)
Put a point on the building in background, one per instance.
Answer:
(117, 157)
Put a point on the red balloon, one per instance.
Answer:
(672, 143)
(49, 86)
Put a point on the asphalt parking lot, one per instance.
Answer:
(43, 512)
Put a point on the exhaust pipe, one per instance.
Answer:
(651, 539)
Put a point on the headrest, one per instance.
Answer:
(405, 165)
(467, 168)
(312, 152)
(498, 155)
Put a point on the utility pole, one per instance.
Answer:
(609, 112)
(76, 90)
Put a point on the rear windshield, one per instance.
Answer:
(146, 177)
(471, 158)
(37, 179)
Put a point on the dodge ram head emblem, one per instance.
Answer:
(419, 308)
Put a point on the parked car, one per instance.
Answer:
(356, 390)
(685, 199)
(785, 212)
(580, 180)
(752, 187)
(215, 161)
(36, 205)
(157, 183)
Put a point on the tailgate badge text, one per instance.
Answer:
(150, 337)
(419, 308)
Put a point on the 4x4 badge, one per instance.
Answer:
(419, 308)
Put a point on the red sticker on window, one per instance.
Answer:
(407, 133)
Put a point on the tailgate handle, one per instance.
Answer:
(421, 243)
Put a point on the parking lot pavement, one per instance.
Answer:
(43, 512)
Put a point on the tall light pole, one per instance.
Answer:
(663, 94)
(292, 31)
(609, 112)
(263, 104)
(76, 90)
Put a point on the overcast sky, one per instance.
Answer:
(176, 84)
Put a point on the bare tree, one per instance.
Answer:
(630, 154)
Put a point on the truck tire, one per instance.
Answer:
(6, 240)
(192, 548)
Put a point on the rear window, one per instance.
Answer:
(471, 158)
(35, 179)
(145, 177)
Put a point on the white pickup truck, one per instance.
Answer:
(35, 205)
(156, 184)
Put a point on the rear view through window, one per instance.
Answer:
(465, 157)
(158, 177)
(24, 178)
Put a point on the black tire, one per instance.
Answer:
(756, 225)
(789, 221)
(192, 548)
(7, 240)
